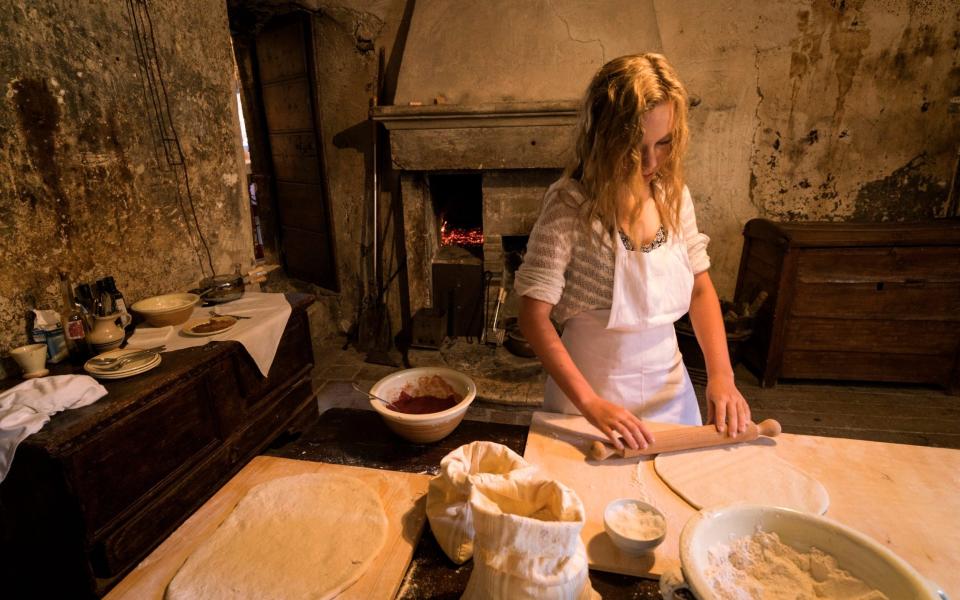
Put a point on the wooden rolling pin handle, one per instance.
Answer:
(688, 438)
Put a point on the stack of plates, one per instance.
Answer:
(136, 366)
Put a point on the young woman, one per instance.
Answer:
(615, 257)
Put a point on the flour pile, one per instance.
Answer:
(760, 566)
(634, 522)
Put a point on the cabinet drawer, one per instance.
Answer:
(867, 366)
(122, 463)
(876, 336)
(872, 265)
(134, 538)
(933, 301)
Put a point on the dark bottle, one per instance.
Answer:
(103, 301)
(85, 298)
(118, 301)
(74, 327)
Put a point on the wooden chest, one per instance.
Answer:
(99, 487)
(854, 301)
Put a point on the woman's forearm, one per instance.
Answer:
(539, 332)
(708, 326)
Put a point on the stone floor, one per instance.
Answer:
(511, 388)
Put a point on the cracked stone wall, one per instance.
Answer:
(809, 109)
(84, 182)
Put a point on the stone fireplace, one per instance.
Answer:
(469, 174)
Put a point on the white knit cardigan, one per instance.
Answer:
(571, 266)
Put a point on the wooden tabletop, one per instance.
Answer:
(359, 438)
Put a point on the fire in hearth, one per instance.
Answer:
(455, 236)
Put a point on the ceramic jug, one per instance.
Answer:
(107, 333)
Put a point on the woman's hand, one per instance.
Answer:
(612, 420)
(726, 406)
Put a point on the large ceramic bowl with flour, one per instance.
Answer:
(857, 554)
(429, 427)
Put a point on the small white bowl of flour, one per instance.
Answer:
(634, 526)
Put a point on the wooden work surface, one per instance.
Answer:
(905, 497)
(404, 500)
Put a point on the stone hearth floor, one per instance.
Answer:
(510, 389)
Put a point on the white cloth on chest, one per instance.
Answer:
(26, 408)
(260, 334)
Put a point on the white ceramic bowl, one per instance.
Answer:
(429, 427)
(856, 553)
(632, 544)
(167, 309)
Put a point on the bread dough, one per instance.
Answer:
(751, 473)
(306, 536)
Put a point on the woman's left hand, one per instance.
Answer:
(726, 406)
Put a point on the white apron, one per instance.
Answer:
(629, 353)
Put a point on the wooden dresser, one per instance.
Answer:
(854, 301)
(99, 487)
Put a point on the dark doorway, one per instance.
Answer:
(286, 87)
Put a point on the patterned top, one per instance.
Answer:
(658, 240)
(571, 265)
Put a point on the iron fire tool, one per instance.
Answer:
(495, 336)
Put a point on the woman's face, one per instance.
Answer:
(657, 139)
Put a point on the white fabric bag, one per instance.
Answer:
(448, 497)
(527, 544)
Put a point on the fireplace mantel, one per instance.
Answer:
(520, 135)
(455, 116)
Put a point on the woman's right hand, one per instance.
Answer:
(616, 422)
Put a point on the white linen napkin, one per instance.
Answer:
(26, 408)
(260, 334)
(150, 337)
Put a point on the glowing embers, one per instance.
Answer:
(458, 236)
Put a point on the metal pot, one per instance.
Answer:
(221, 288)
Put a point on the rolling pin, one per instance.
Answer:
(687, 438)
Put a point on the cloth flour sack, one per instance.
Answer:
(448, 497)
(527, 544)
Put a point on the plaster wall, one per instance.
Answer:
(84, 182)
(808, 109)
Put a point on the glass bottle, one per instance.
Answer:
(74, 328)
(103, 301)
(85, 298)
(118, 301)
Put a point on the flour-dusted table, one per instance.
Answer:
(905, 497)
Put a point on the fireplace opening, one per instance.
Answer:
(458, 204)
(457, 267)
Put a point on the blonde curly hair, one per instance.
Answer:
(607, 154)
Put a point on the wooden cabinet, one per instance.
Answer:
(854, 301)
(99, 487)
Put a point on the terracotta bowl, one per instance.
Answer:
(168, 309)
(429, 427)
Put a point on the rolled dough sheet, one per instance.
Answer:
(305, 536)
(750, 472)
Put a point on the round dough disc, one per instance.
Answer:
(750, 473)
(305, 536)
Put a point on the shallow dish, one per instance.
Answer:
(861, 556)
(167, 309)
(197, 327)
(135, 367)
(625, 540)
(428, 427)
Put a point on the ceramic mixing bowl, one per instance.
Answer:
(428, 427)
(168, 309)
(861, 556)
